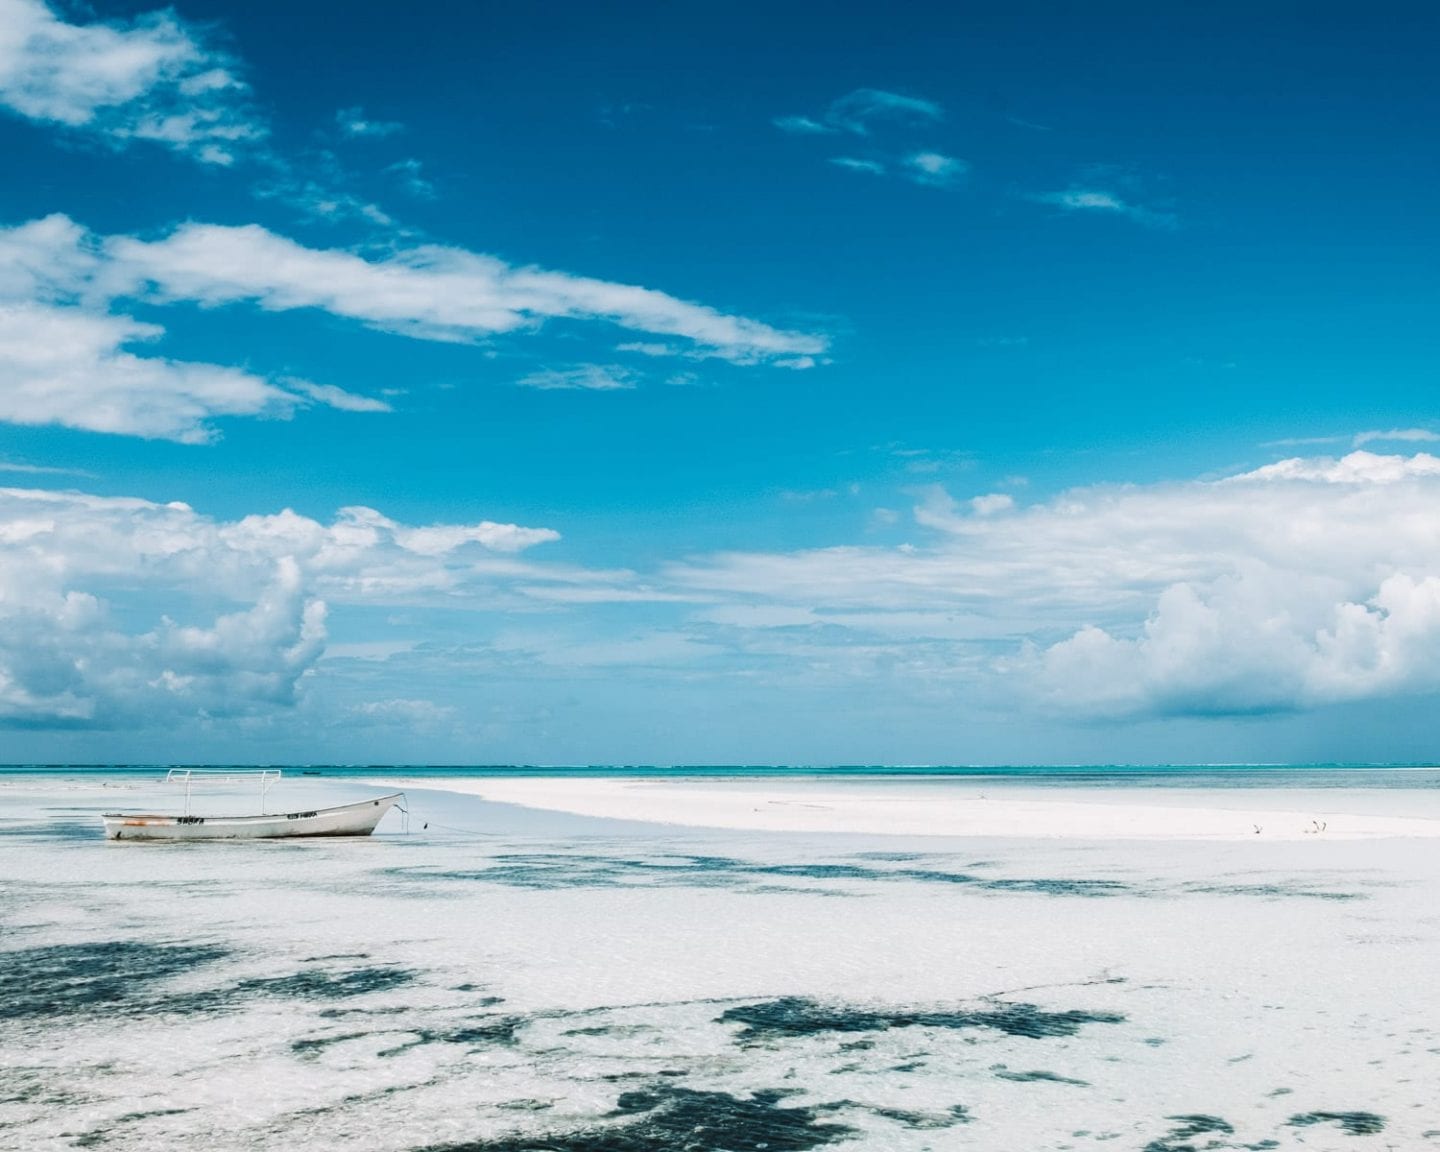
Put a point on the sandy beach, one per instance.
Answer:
(794, 963)
(967, 809)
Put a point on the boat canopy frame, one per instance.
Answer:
(188, 776)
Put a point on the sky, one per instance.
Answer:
(567, 383)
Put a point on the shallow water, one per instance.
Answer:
(505, 979)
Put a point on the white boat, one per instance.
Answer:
(358, 819)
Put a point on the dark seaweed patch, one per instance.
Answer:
(1351, 1123)
(1274, 890)
(668, 1118)
(554, 870)
(314, 1045)
(924, 1120)
(114, 975)
(1187, 1127)
(312, 984)
(1058, 887)
(955, 1114)
(130, 1117)
(800, 1016)
(1033, 1077)
(97, 1136)
(498, 1030)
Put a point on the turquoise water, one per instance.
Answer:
(1093, 775)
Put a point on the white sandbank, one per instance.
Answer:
(969, 808)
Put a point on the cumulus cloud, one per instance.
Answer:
(1257, 641)
(1302, 583)
(151, 77)
(1093, 200)
(117, 612)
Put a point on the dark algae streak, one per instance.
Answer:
(792, 1016)
(1351, 1123)
(1187, 1129)
(122, 977)
(113, 975)
(668, 1118)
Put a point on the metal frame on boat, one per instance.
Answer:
(357, 819)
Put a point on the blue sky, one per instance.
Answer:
(655, 383)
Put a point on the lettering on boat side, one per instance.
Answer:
(189, 819)
(298, 815)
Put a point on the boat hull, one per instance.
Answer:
(357, 819)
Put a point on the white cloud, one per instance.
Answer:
(874, 167)
(71, 367)
(803, 126)
(412, 180)
(934, 169)
(1106, 203)
(146, 78)
(354, 123)
(1259, 641)
(592, 377)
(1291, 586)
(95, 593)
(429, 292)
(407, 713)
(858, 111)
(66, 360)
(71, 360)
(323, 201)
(1397, 436)
(337, 398)
(992, 504)
(23, 469)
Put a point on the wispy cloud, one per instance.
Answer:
(803, 126)
(354, 123)
(589, 377)
(860, 111)
(1303, 441)
(323, 201)
(1095, 200)
(429, 292)
(934, 169)
(412, 179)
(1360, 439)
(150, 77)
(1397, 435)
(851, 164)
(864, 112)
(19, 468)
